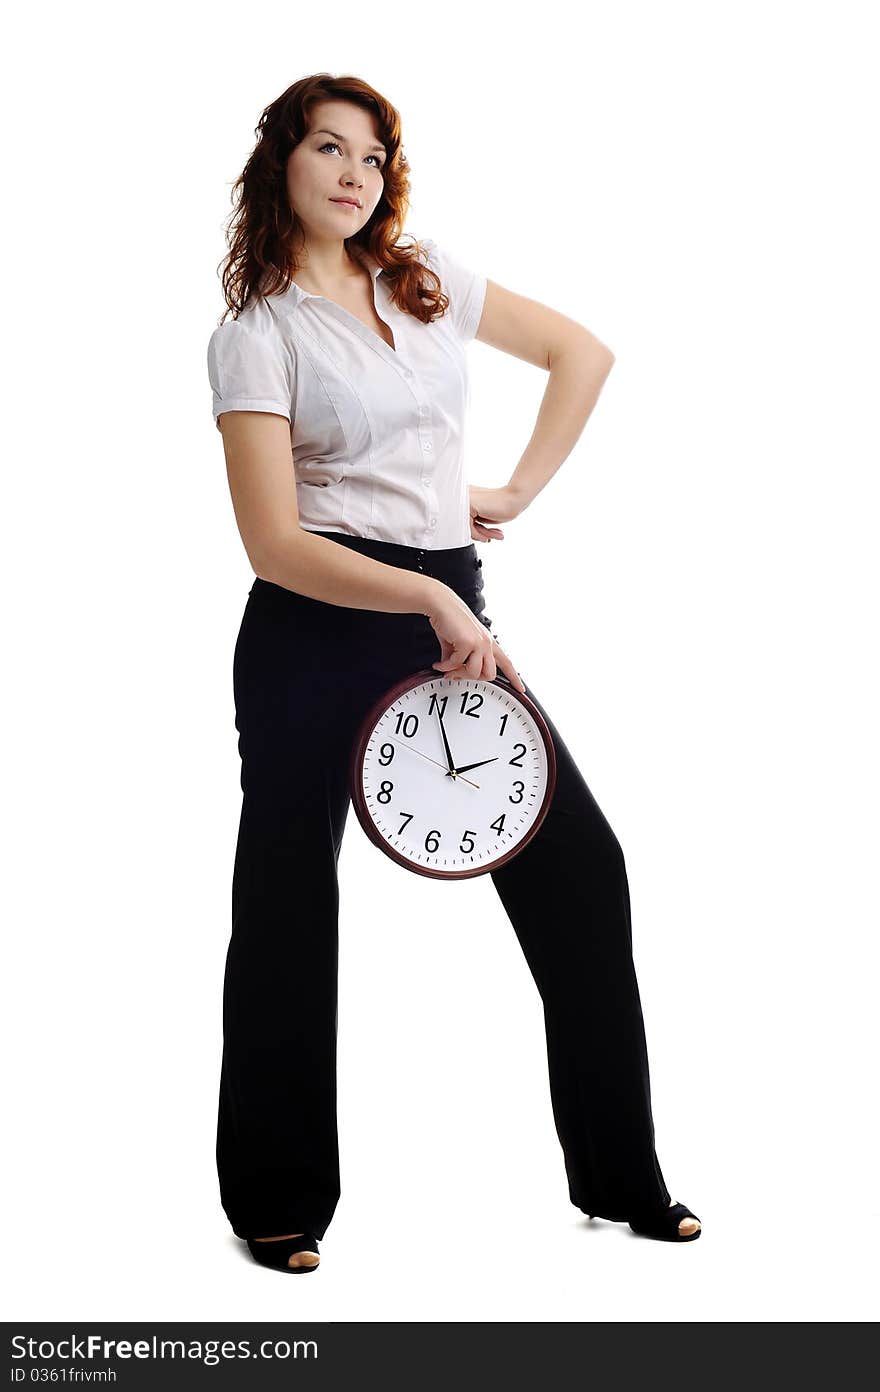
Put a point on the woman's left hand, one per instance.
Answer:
(492, 505)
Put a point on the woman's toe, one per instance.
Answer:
(300, 1259)
(687, 1226)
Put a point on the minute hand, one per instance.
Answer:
(445, 740)
(466, 767)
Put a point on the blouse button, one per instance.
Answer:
(426, 445)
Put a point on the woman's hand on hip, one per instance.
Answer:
(490, 506)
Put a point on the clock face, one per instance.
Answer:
(452, 777)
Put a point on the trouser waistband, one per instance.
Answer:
(440, 562)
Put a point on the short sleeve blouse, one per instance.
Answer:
(377, 433)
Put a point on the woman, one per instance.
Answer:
(347, 352)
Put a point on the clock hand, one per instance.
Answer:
(464, 768)
(445, 740)
(428, 757)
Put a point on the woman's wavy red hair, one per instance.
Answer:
(263, 228)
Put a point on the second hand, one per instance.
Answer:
(413, 749)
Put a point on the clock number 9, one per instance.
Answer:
(386, 754)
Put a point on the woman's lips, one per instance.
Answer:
(343, 203)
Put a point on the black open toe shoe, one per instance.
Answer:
(278, 1254)
(663, 1224)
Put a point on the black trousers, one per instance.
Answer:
(305, 674)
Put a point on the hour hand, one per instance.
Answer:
(466, 767)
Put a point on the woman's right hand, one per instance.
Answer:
(468, 647)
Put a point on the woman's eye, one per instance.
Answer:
(333, 145)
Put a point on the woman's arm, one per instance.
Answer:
(262, 481)
(578, 364)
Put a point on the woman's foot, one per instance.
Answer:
(673, 1224)
(687, 1226)
(297, 1259)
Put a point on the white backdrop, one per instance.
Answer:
(693, 597)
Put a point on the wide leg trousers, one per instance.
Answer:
(304, 674)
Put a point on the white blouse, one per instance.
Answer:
(377, 433)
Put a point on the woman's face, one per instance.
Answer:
(341, 157)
